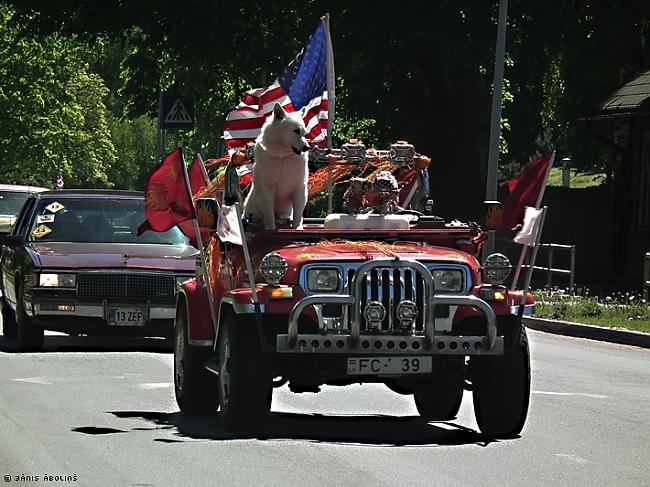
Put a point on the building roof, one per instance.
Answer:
(628, 97)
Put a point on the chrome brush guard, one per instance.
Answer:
(363, 287)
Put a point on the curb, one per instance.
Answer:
(625, 337)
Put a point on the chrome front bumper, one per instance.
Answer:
(352, 341)
(151, 312)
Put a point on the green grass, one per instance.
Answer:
(577, 180)
(624, 311)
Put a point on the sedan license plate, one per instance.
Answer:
(389, 365)
(125, 317)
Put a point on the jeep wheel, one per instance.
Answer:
(29, 336)
(245, 375)
(502, 390)
(8, 321)
(196, 389)
(439, 403)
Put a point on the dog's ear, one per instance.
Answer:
(278, 112)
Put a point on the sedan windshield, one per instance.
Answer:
(96, 220)
(11, 202)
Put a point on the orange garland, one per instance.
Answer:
(342, 245)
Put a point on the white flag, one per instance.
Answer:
(528, 233)
(228, 226)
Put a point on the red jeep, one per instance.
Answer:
(397, 298)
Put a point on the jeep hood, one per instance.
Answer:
(299, 254)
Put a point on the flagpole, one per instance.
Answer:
(203, 170)
(199, 244)
(524, 249)
(529, 271)
(331, 101)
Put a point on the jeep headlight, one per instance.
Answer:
(448, 280)
(57, 280)
(273, 267)
(323, 279)
(496, 269)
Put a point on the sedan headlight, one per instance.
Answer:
(57, 280)
(496, 269)
(180, 280)
(448, 280)
(322, 279)
(273, 267)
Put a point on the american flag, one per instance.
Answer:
(58, 179)
(302, 86)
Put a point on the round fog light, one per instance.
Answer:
(496, 268)
(273, 267)
(374, 311)
(407, 310)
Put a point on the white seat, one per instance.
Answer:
(366, 221)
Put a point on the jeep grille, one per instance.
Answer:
(390, 286)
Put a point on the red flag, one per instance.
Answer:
(525, 189)
(167, 202)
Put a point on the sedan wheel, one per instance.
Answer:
(8, 321)
(29, 336)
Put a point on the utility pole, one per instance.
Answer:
(495, 123)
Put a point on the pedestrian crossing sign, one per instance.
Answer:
(177, 112)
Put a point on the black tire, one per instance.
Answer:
(29, 336)
(245, 375)
(439, 403)
(502, 390)
(196, 389)
(8, 321)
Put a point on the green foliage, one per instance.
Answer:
(52, 113)
(135, 142)
(624, 311)
(577, 179)
(421, 73)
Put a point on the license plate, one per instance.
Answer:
(389, 365)
(125, 317)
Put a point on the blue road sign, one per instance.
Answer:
(177, 112)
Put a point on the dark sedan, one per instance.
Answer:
(74, 263)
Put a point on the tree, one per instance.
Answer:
(51, 110)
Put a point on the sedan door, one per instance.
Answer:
(13, 252)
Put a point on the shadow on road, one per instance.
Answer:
(67, 343)
(375, 430)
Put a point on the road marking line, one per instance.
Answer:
(583, 394)
(34, 380)
(155, 385)
(572, 458)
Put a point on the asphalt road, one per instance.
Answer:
(104, 413)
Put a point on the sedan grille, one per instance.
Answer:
(112, 285)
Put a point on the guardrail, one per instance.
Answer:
(550, 270)
(646, 276)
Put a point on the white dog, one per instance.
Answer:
(280, 174)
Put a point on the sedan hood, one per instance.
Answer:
(66, 255)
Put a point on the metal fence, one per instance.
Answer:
(570, 272)
(646, 276)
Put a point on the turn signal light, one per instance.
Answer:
(492, 294)
(281, 293)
